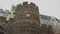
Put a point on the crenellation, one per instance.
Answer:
(32, 4)
(25, 3)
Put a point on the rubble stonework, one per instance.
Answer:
(46, 29)
(26, 21)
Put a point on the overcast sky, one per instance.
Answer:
(46, 7)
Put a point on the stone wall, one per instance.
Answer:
(46, 29)
(26, 21)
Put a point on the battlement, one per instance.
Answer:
(27, 4)
(32, 4)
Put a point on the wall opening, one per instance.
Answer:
(28, 14)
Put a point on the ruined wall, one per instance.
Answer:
(26, 21)
(46, 29)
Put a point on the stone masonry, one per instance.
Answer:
(26, 21)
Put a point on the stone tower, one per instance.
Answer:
(26, 19)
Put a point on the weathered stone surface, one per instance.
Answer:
(46, 29)
(24, 24)
(26, 21)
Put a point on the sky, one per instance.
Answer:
(46, 7)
